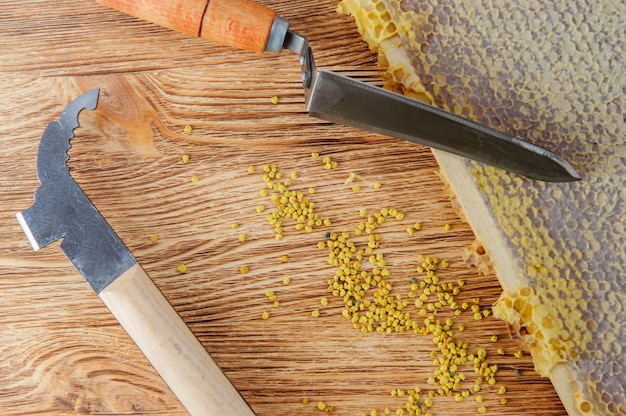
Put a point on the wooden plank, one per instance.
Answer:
(62, 352)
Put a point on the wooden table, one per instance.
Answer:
(63, 353)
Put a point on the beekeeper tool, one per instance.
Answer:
(62, 211)
(247, 25)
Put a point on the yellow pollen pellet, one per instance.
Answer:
(286, 281)
(260, 208)
(519, 354)
(251, 169)
(276, 304)
(324, 301)
(244, 269)
(500, 351)
(503, 401)
(410, 230)
(447, 227)
(242, 237)
(182, 268)
(274, 99)
(479, 399)
(377, 185)
(482, 410)
(315, 313)
(284, 259)
(321, 405)
(417, 226)
(315, 155)
(185, 158)
(234, 226)
(265, 315)
(195, 179)
(154, 238)
(502, 390)
(188, 128)
(311, 191)
(356, 188)
(306, 400)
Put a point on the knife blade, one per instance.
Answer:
(245, 24)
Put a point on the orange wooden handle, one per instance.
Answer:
(242, 24)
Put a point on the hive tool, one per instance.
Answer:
(61, 210)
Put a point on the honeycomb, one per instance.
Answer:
(552, 73)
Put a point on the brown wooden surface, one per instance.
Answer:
(63, 353)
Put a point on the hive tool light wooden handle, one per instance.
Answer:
(242, 24)
(172, 349)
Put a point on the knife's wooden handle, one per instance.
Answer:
(171, 347)
(242, 24)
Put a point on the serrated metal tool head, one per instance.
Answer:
(62, 210)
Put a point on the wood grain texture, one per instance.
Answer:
(62, 351)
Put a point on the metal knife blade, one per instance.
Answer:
(343, 100)
(340, 99)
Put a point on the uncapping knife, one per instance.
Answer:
(62, 211)
(247, 25)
